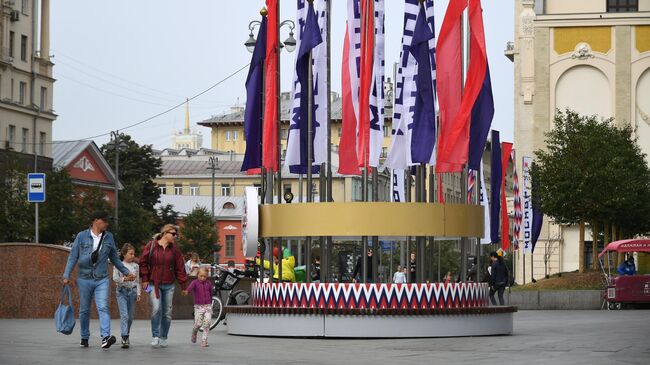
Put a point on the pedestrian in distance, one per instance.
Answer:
(161, 265)
(398, 276)
(90, 252)
(412, 268)
(358, 268)
(192, 265)
(127, 292)
(498, 277)
(201, 288)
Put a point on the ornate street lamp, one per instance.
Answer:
(289, 43)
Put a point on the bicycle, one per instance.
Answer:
(224, 280)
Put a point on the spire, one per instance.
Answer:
(187, 117)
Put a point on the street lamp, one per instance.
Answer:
(289, 43)
(213, 163)
(117, 145)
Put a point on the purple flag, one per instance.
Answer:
(537, 214)
(495, 186)
(309, 38)
(424, 128)
(481, 120)
(253, 114)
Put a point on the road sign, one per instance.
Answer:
(36, 187)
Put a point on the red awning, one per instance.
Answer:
(633, 245)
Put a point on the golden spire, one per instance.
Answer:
(187, 116)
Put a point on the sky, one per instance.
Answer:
(120, 62)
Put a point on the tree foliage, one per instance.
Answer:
(198, 233)
(59, 214)
(593, 171)
(16, 214)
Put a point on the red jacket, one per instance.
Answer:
(165, 267)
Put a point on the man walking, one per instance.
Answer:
(91, 250)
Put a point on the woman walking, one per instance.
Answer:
(161, 265)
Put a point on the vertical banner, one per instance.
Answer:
(517, 202)
(485, 240)
(495, 186)
(397, 184)
(527, 203)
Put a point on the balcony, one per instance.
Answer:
(510, 50)
(5, 57)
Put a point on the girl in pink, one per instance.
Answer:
(201, 288)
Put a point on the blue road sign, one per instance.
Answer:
(36, 187)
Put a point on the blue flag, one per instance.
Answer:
(495, 186)
(481, 120)
(310, 38)
(253, 114)
(424, 129)
(537, 214)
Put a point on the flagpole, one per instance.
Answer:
(327, 254)
(310, 152)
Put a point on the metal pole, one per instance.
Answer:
(364, 239)
(279, 106)
(326, 259)
(463, 240)
(375, 240)
(117, 177)
(310, 152)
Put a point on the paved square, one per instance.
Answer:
(541, 337)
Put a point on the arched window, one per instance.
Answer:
(228, 205)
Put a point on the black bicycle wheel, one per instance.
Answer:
(217, 313)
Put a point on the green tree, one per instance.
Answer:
(198, 233)
(138, 168)
(592, 171)
(166, 215)
(58, 223)
(16, 214)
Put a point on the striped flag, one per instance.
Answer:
(400, 155)
(517, 202)
(311, 37)
(471, 177)
(253, 116)
(527, 205)
(506, 148)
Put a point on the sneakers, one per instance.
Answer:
(84, 342)
(125, 342)
(108, 341)
(194, 332)
(204, 343)
(163, 342)
(155, 342)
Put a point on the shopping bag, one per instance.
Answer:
(64, 314)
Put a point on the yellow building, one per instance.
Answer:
(592, 56)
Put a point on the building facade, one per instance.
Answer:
(187, 138)
(592, 56)
(26, 82)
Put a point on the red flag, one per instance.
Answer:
(506, 149)
(454, 141)
(365, 83)
(348, 162)
(270, 129)
(449, 71)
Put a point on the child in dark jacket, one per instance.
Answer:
(202, 290)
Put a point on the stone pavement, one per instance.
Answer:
(540, 337)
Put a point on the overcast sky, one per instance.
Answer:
(122, 61)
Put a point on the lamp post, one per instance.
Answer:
(289, 43)
(213, 163)
(116, 144)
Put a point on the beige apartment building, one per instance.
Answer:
(26, 82)
(592, 56)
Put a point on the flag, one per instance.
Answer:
(348, 162)
(424, 132)
(506, 148)
(309, 38)
(449, 73)
(486, 239)
(270, 135)
(517, 202)
(400, 153)
(538, 216)
(253, 113)
(481, 121)
(376, 100)
(495, 186)
(365, 80)
(471, 177)
(527, 204)
(397, 195)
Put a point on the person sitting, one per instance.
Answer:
(288, 264)
(627, 267)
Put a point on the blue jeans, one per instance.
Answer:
(161, 310)
(126, 302)
(99, 288)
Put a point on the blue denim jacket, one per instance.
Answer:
(81, 250)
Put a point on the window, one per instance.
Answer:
(285, 133)
(43, 98)
(11, 135)
(12, 89)
(234, 135)
(386, 131)
(25, 7)
(225, 189)
(23, 47)
(384, 152)
(41, 143)
(230, 245)
(228, 205)
(622, 6)
(22, 92)
(228, 133)
(194, 189)
(25, 137)
(178, 189)
(12, 35)
(163, 189)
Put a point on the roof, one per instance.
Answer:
(631, 245)
(65, 152)
(184, 204)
